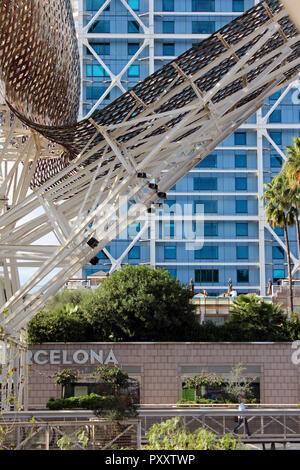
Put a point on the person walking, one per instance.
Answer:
(242, 419)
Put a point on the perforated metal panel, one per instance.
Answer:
(39, 60)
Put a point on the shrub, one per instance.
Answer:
(89, 402)
(58, 325)
(172, 435)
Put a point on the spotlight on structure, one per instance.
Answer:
(92, 242)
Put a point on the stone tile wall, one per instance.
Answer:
(160, 365)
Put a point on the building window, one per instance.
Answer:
(172, 272)
(242, 275)
(240, 138)
(242, 252)
(135, 252)
(275, 116)
(277, 252)
(240, 161)
(133, 47)
(241, 206)
(168, 5)
(238, 5)
(276, 137)
(208, 162)
(168, 27)
(279, 231)
(169, 230)
(241, 229)
(210, 229)
(96, 70)
(134, 4)
(133, 27)
(203, 27)
(95, 5)
(278, 274)
(95, 92)
(100, 26)
(203, 5)
(101, 48)
(133, 229)
(275, 96)
(134, 71)
(209, 206)
(206, 275)
(205, 183)
(170, 252)
(276, 161)
(170, 207)
(102, 255)
(240, 183)
(169, 48)
(207, 252)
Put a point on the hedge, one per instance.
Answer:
(89, 402)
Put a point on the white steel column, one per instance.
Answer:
(151, 31)
(261, 211)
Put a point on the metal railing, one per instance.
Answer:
(43, 429)
(73, 431)
(266, 424)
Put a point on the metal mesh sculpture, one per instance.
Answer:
(39, 60)
(84, 175)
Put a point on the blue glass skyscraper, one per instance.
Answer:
(121, 43)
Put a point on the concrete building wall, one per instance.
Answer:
(160, 367)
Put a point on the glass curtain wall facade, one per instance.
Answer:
(122, 42)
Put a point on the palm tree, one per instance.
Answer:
(292, 169)
(293, 200)
(292, 165)
(280, 212)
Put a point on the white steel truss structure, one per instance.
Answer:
(132, 154)
(147, 38)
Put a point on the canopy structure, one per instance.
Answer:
(68, 188)
(292, 7)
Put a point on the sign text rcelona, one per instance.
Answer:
(64, 357)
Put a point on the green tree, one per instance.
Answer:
(65, 324)
(139, 303)
(64, 377)
(292, 165)
(280, 212)
(205, 379)
(238, 385)
(292, 170)
(258, 320)
(113, 375)
(71, 297)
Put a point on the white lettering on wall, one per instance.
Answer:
(81, 356)
(111, 358)
(96, 357)
(36, 357)
(296, 354)
(65, 357)
(83, 353)
(55, 356)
